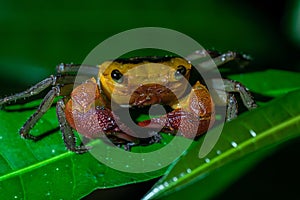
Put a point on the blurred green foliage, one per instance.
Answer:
(36, 35)
(293, 22)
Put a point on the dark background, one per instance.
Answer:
(35, 36)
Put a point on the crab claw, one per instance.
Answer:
(88, 113)
(191, 118)
(188, 124)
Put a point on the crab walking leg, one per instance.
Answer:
(232, 110)
(198, 54)
(43, 107)
(65, 74)
(205, 61)
(223, 88)
(36, 89)
(75, 73)
(229, 56)
(67, 133)
(68, 73)
(73, 69)
(226, 99)
(233, 86)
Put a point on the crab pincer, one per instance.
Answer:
(192, 117)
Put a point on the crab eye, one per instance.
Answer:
(117, 76)
(180, 72)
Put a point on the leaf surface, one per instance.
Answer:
(274, 123)
(45, 169)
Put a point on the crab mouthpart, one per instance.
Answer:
(151, 94)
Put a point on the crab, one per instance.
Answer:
(88, 106)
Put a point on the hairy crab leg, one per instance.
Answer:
(67, 133)
(72, 69)
(232, 110)
(223, 95)
(42, 109)
(65, 74)
(207, 60)
(230, 86)
(75, 73)
(36, 89)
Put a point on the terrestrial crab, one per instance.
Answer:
(87, 107)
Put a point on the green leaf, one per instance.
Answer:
(270, 82)
(57, 173)
(272, 124)
(45, 169)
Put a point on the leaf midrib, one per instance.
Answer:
(214, 161)
(35, 166)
